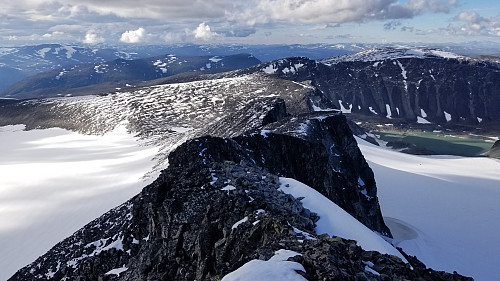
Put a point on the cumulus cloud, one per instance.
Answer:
(133, 36)
(173, 20)
(203, 32)
(92, 38)
(392, 25)
(473, 24)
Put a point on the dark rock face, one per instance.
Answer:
(217, 206)
(323, 155)
(396, 84)
(494, 152)
(464, 91)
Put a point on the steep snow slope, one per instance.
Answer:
(61, 179)
(443, 209)
(334, 221)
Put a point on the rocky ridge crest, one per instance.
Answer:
(218, 205)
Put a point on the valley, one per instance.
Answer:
(430, 139)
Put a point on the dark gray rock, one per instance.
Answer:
(324, 155)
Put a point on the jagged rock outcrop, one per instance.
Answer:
(406, 83)
(218, 206)
(326, 158)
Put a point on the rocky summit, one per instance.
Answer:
(219, 208)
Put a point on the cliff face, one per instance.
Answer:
(396, 82)
(218, 205)
(324, 155)
(435, 89)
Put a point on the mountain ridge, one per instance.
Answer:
(416, 85)
(187, 224)
(120, 73)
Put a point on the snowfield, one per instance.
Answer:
(443, 209)
(53, 182)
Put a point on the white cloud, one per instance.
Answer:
(92, 38)
(473, 24)
(232, 19)
(133, 36)
(470, 16)
(328, 11)
(145, 9)
(56, 35)
(203, 32)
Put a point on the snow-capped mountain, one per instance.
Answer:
(381, 54)
(113, 75)
(415, 84)
(17, 63)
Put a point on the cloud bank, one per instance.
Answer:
(473, 24)
(179, 20)
(327, 11)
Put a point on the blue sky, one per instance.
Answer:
(253, 22)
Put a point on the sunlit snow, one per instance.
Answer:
(443, 209)
(334, 221)
(276, 268)
(117, 271)
(55, 181)
(421, 120)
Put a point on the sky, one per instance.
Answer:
(247, 22)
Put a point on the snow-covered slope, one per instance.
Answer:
(276, 268)
(334, 221)
(443, 209)
(393, 53)
(55, 181)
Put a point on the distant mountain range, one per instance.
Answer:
(120, 73)
(421, 85)
(17, 63)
